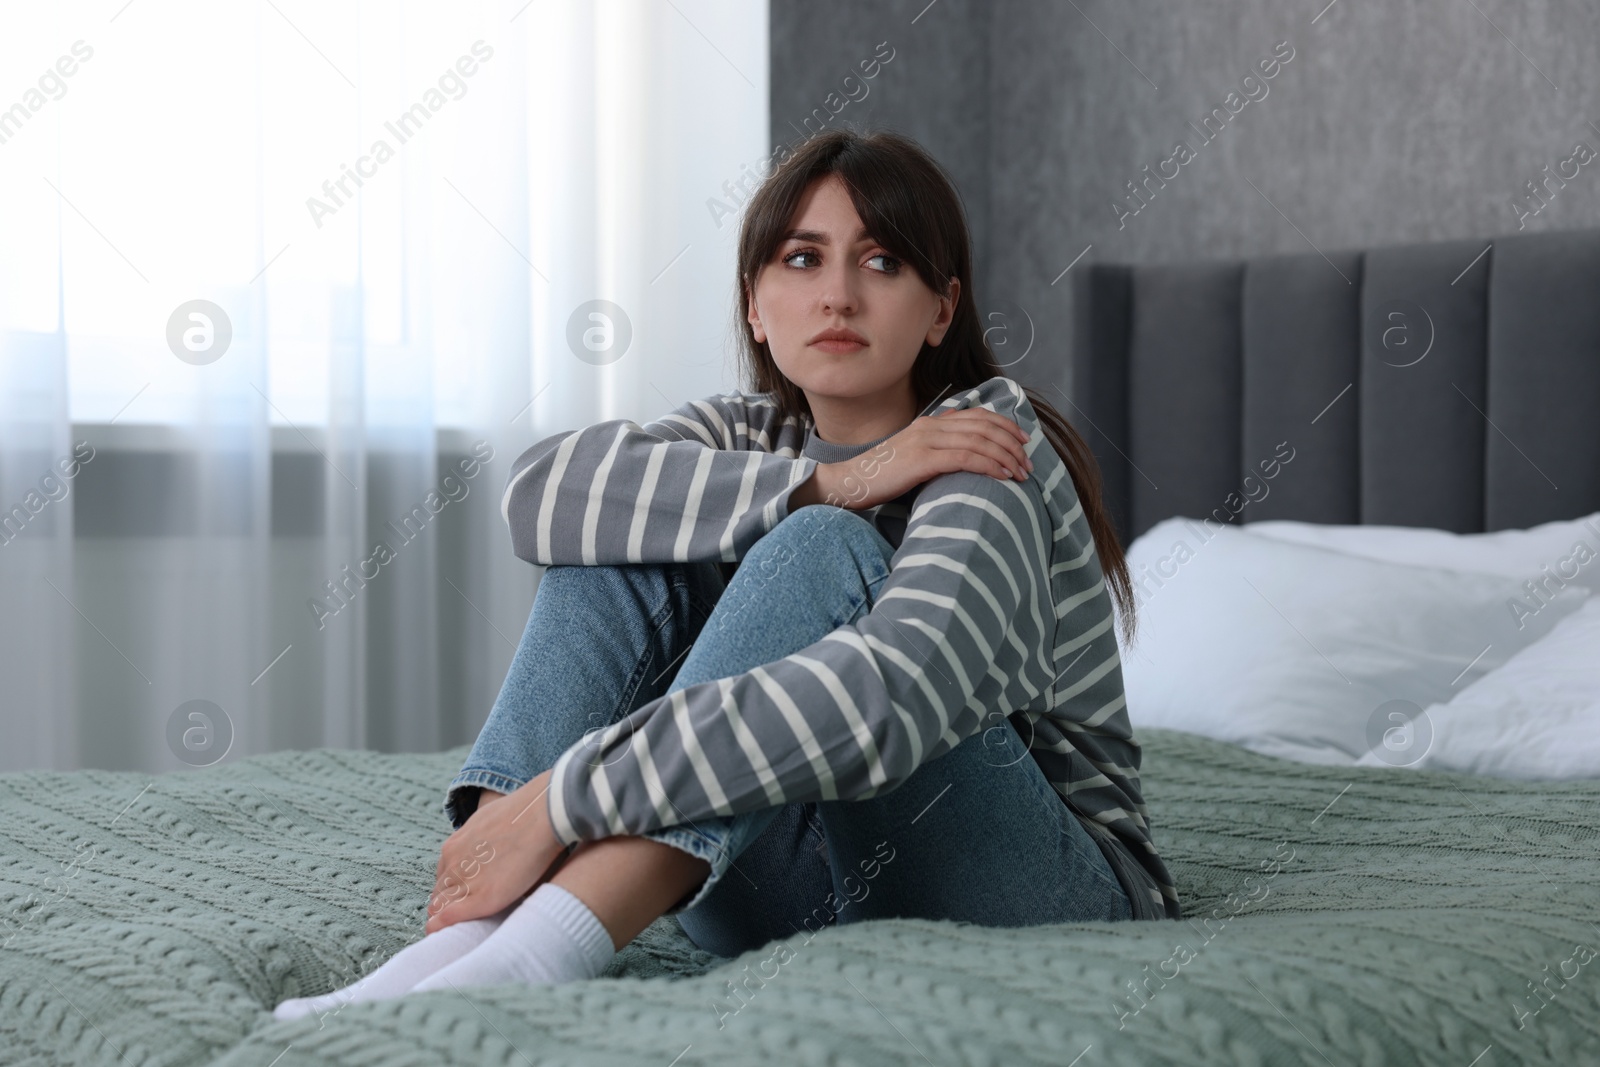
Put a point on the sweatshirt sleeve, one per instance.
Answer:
(962, 623)
(699, 484)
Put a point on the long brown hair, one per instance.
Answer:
(910, 206)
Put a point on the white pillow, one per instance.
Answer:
(1553, 553)
(1538, 716)
(1293, 651)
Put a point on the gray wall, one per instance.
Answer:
(1392, 123)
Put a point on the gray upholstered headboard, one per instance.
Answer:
(1453, 385)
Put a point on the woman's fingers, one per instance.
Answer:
(997, 428)
(995, 450)
(984, 415)
(494, 859)
(971, 439)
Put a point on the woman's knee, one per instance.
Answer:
(818, 540)
(808, 576)
(822, 563)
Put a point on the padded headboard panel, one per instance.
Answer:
(1418, 385)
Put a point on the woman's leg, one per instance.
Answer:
(615, 887)
(599, 642)
(818, 569)
(977, 835)
(630, 881)
(764, 613)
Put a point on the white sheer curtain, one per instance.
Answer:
(284, 289)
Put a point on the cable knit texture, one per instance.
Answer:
(1353, 916)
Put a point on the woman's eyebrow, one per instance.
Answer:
(820, 238)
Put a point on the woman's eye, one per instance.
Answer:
(893, 266)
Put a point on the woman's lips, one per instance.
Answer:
(838, 345)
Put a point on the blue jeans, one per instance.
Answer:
(976, 835)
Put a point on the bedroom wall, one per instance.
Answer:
(1389, 124)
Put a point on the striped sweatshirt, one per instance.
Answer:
(995, 605)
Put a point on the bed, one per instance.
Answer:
(1333, 914)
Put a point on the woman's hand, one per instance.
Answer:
(498, 856)
(961, 439)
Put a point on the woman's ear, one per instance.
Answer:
(946, 313)
(754, 316)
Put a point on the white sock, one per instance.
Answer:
(552, 937)
(403, 970)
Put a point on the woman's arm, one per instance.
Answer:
(700, 484)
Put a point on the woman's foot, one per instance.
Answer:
(550, 938)
(571, 926)
(405, 969)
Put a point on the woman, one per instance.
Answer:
(840, 648)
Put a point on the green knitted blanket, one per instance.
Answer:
(1334, 916)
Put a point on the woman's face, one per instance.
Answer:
(827, 275)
